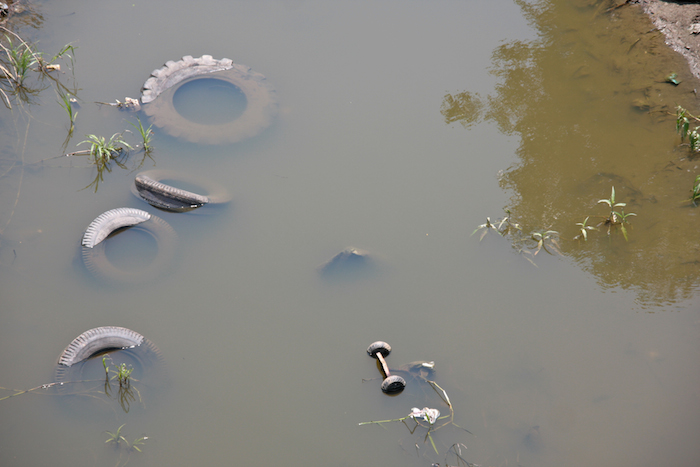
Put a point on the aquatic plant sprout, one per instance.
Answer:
(427, 414)
(695, 197)
(683, 118)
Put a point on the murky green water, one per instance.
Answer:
(588, 358)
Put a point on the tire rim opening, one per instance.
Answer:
(209, 101)
(131, 249)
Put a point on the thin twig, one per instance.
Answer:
(43, 386)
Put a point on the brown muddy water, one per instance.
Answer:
(402, 127)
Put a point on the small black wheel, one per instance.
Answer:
(378, 347)
(393, 384)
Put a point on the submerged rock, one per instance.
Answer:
(349, 262)
(533, 439)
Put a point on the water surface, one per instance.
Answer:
(588, 358)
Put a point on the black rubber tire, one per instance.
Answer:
(258, 115)
(148, 187)
(378, 347)
(93, 247)
(141, 353)
(393, 384)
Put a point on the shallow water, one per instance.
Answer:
(209, 101)
(588, 358)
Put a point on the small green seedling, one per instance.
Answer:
(584, 228)
(124, 375)
(146, 134)
(116, 438)
(49, 66)
(507, 226)
(616, 217)
(545, 238)
(66, 101)
(127, 393)
(695, 196)
(486, 227)
(623, 220)
(122, 445)
(683, 118)
(612, 204)
(20, 58)
(510, 226)
(103, 152)
(17, 60)
(138, 442)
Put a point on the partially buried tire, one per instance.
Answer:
(158, 93)
(80, 373)
(149, 187)
(94, 252)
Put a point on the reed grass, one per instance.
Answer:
(145, 133)
(103, 152)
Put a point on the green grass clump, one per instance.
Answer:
(67, 105)
(616, 217)
(146, 135)
(103, 152)
(695, 196)
(683, 118)
(119, 441)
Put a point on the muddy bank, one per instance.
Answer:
(679, 21)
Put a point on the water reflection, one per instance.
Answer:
(593, 111)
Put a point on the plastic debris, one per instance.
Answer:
(427, 414)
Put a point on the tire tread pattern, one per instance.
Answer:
(109, 221)
(96, 340)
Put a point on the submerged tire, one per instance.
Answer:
(158, 103)
(393, 384)
(93, 247)
(378, 347)
(109, 221)
(97, 340)
(148, 186)
(80, 375)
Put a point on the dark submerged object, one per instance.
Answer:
(261, 99)
(149, 187)
(422, 370)
(392, 384)
(93, 245)
(350, 262)
(533, 439)
(167, 197)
